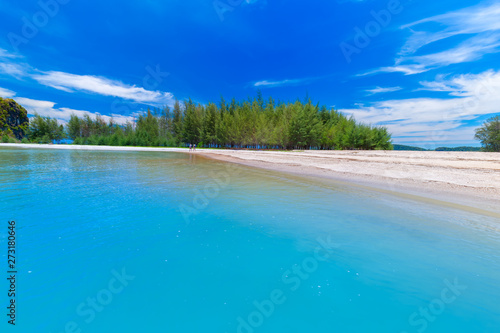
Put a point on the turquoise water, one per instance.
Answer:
(165, 242)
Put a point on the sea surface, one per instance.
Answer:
(172, 242)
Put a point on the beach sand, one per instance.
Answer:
(469, 179)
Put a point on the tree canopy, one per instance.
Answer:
(489, 134)
(251, 123)
(13, 119)
(44, 129)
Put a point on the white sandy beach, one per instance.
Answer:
(466, 178)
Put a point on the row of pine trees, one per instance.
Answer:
(251, 123)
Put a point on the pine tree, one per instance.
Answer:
(74, 127)
(177, 123)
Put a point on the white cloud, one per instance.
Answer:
(467, 85)
(470, 50)
(7, 66)
(71, 83)
(103, 86)
(13, 69)
(479, 25)
(5, 54)
(47, 109)
(254, 2)
(471, 20)
(117, 118)
(6, 93)
(83, 83)
(34, 104)
(435, 138)
(266, 83)
(380, 90)
(437, 119)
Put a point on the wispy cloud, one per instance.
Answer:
(471, 20)
(430, 119)
(470, 50)
(282, 83)
(5, 54)
(466, 85)
(103, 86)
(16, 70)
(6, 93)
(35, 105)
(380, 90)
(72, 83)
(63, 114)
(10, 67)
(480, 25)
(251, 2)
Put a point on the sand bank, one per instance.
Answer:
(465, 178)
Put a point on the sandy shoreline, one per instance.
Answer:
(470, 179)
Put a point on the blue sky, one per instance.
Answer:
(428, 70)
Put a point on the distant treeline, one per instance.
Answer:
(407, 148)
(245, 124)
(458, 149)
(412, 148)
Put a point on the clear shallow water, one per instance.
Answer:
(187, 263)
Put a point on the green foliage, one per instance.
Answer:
(147, 130)
(8, 137)
(74, 127)
(177, 128)
(463, 148)
(45, 130)
(13, 119)
(192, 124)
(209, 128)
(489, 134)
(251, 123)
(409, 148)
(305, 128)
